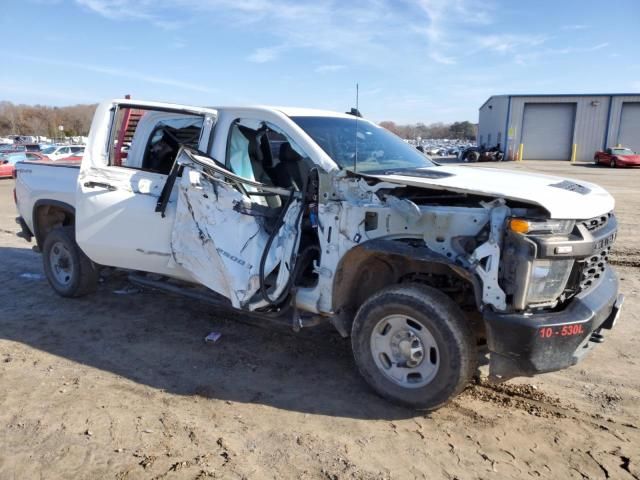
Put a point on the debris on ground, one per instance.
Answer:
(127, 291)
(213, 337)
(32, 276)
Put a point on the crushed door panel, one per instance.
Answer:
(221, 231)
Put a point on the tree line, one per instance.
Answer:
(76, 120)
(44, 120)
(456, 130)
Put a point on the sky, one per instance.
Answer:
(415, 61)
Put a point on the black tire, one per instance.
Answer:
(613, 163)
(448, 327)
(80, 276)
(473, 157)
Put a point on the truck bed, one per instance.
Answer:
(36, 181)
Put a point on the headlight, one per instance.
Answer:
(556, 227)
(548, 280)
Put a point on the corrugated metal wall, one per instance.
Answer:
(597, 117)
(589, 127)
(616, 114)
(492, 120)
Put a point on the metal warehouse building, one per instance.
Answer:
(559, 127)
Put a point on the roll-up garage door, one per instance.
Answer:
(629, 133)
(547, 130)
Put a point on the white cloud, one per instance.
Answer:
(506, 43)
(526, 58)
(371, 32)
(321, 25)
(265, 54)
(574, 27)
(439, 58)
(115, 72)
(329, 68)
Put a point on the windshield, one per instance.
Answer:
(49, 150)
(621, 151)
(378, 150)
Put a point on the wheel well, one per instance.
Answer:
(48, 216)
(364, 271)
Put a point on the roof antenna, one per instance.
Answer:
(355, 160)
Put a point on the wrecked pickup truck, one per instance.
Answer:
(310, 216)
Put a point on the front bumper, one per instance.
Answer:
(528, 344)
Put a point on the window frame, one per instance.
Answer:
(113, 133)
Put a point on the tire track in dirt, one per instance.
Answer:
(535, 402)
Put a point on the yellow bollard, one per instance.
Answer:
(574, 151)
(520, 149)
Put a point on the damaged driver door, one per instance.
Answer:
(226, 236)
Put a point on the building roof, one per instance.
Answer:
(635, 94)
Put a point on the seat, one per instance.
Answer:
(291, 170)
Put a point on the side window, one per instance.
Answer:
(149, 140)
(260, 151)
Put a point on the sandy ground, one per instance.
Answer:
(123, 386)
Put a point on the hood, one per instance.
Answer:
(628, 158)
(561, 197)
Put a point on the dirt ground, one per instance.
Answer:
(121, 385)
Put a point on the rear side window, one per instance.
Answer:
(149, 140)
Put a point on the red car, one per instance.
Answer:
(617, 157)
(8, 161)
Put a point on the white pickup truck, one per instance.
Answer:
(312, 216)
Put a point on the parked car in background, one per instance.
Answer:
(617, 157)
(12, 148)
(481, 154)
(77, 150)
(32, 147)
(56, 152)
(8, 161)
(75, 158)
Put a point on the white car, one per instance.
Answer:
(57, 152)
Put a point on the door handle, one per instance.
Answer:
(106, 186)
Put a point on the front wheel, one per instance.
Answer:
(613, 163)
(68, 270)
(413, 345)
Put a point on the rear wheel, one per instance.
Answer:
(413, 345)
(68, 270)
(613, 163)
